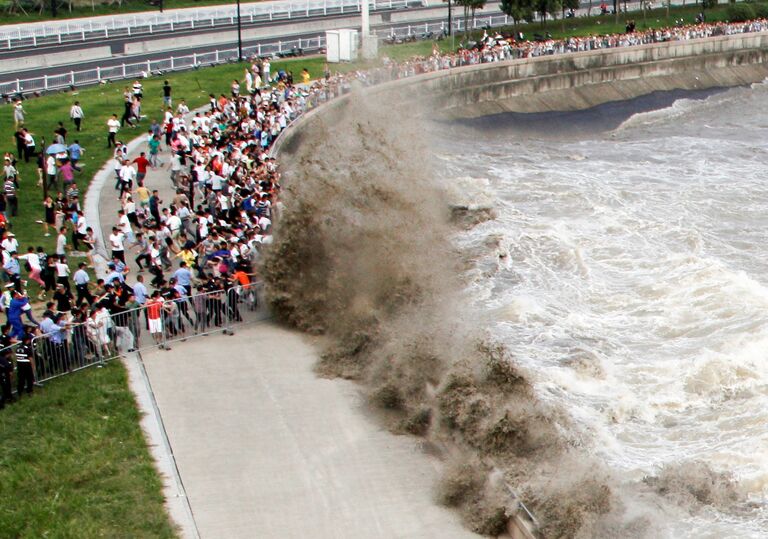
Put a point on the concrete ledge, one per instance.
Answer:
(51, 59)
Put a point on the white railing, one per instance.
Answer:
(78, 30)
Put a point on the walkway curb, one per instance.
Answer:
(177, 503)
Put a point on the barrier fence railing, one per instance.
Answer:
(105, 336)
(127, 25)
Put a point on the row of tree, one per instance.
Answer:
(525, 10)
(519, 10)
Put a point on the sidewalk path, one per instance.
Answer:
(266, 449)
(157, 178)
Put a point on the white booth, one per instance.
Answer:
(341, 45)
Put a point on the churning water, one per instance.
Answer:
(627, 268)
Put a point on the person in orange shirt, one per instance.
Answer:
(154, 316)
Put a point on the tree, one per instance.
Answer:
(518, 10)
(474, 5)
(547, 7)
(570, 4)
(469, 7)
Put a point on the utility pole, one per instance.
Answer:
(450, 19)
(239, 35)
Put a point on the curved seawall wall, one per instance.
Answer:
(567, 82)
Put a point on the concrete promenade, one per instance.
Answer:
(266, 449)
(250, 443)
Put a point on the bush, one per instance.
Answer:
(740, 12)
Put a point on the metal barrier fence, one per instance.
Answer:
(50, 33)
(106, 336)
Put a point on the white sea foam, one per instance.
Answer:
(634, 286)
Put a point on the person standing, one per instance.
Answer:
(154, 150)
(154, 207)
(113, 126)
(18, 114)
(61, 242)
(25, 366)
(6, 370)
(50, 172)
(154, 316)
(128, 104)
(19, 138)
(11, 200)
(12, 269)
(77, 115)
(62, 273)
(29, 144)
(50, 214)
(82, 279)
(167, 100)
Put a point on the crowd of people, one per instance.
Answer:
(199, 249)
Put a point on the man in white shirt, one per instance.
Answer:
(9, 242)
(61, 242)
(174, 224)
(77, 114)
(117, 243)
(127, 175)
(124, 224)
(50, 170)
(113, 126)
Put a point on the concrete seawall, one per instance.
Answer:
(565, 82)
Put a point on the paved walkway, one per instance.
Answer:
(157, 178)
(266, 449)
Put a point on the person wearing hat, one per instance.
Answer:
(25, 365)
(82, 279)
(10, 243)
(114, 276)
(54, 328)
(12, 269)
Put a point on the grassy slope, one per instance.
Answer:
(74, 463)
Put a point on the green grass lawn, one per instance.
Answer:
(74, 463)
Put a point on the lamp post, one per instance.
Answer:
(450, 22)
(239, 35)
